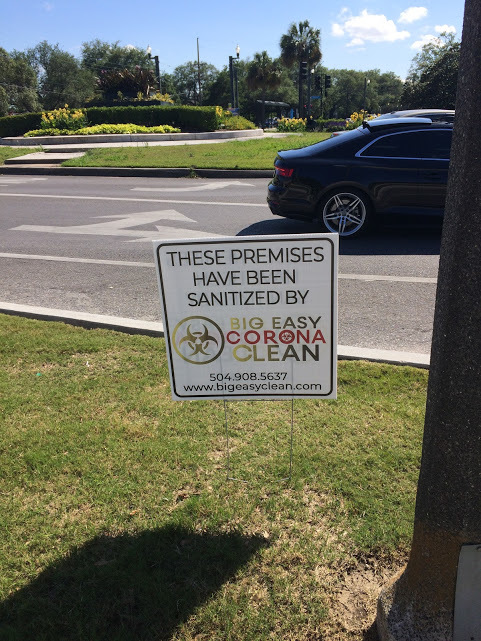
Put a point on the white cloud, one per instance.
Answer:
(425, 40)
(48, 6)
(445, 28)
(367, 27)
(412, 14)
(336, 29)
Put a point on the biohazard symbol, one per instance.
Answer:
(198, 341)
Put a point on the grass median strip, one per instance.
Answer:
(11, 152)
(234, 154)
(118, 522)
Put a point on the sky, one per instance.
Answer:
(355, 34)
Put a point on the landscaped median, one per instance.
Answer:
(119, 523)
(235, 154)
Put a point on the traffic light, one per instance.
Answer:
(304, 70)
(317, 82)
(327, 82)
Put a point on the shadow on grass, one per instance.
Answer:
(125, 588)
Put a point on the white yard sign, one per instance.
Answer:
(250, 317)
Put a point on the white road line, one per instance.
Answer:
(66, 259)
(137, 200)
(126, 263)
(394, 279)
(202, 187)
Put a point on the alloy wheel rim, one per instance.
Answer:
(344, 214)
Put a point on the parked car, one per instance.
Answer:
(384, 168)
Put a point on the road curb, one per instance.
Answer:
(135, 172)
(156, 328)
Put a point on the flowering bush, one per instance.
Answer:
(357, 117)
(104, 129)
(291, 124)
(64, 118)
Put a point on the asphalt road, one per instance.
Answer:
(84, 244)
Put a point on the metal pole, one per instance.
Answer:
(157, 72)
(309, 74)
(236, 87)
(198, 73)
(231, 76)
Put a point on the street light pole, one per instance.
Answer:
(366, 82)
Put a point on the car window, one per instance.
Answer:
(411, 144)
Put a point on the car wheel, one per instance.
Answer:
(345, 212)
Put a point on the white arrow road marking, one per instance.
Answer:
(203, 187)
(121, 226)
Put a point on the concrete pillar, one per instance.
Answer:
(419, 603)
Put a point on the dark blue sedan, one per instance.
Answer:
(386, 168)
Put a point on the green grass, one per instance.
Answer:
(235, 154)
(13, 152)
(118, 522)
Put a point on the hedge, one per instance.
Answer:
(18, 125)
(184, 118)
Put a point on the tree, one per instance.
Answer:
(186, 79)
(300, 44)
(433, 75)
(97, 55)
(437, 595)
(126, 82)
(263, 74)
(61, 80)
(349, 88)
(18, 85)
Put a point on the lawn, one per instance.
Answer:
(13, 152)
(118, 521)
(234, 154)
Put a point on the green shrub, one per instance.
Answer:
(17, 125)
(128, 128)
(237, 123)
(51, 131)
(184, 118)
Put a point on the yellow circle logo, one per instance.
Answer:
(198, 340)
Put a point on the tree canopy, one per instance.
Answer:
(433, 76)
(18, 85)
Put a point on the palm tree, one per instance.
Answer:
(264, 74)
(300, 44)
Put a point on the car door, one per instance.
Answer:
(434, 171)
(401, 179)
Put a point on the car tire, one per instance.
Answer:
(347, 212)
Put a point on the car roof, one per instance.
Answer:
(406, 122)
(412, 113)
